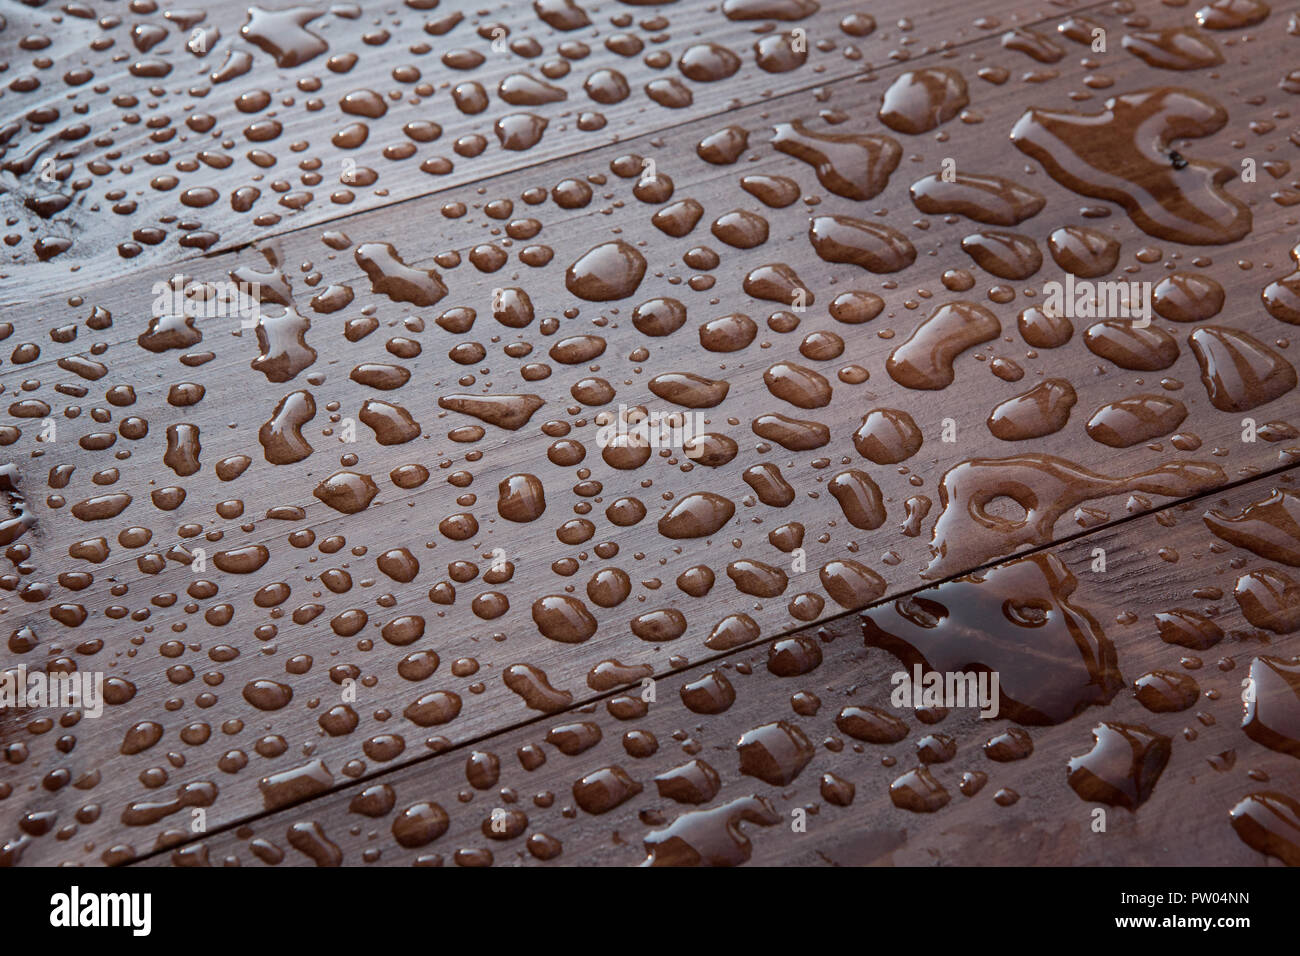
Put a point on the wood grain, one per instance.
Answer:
(147, 135)
(1154, 564)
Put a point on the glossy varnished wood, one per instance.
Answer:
(1153, 564)
(150, 122)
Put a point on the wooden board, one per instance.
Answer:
(276, 129)
(194, 652)
(1154, 564)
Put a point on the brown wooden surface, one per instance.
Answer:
(1154, 564)
(239, 399)
(906, 34)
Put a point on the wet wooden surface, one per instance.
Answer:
(148, 622)
(152, 129)
(1153, 564)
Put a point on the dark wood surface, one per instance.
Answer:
(901, 35)
(188, 670)
(1154, 564)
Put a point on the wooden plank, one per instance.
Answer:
(169, 607)
(1154, 565)
(155, 165)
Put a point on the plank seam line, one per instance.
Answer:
(488, 177)
(1107, 528)
(874, 73)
